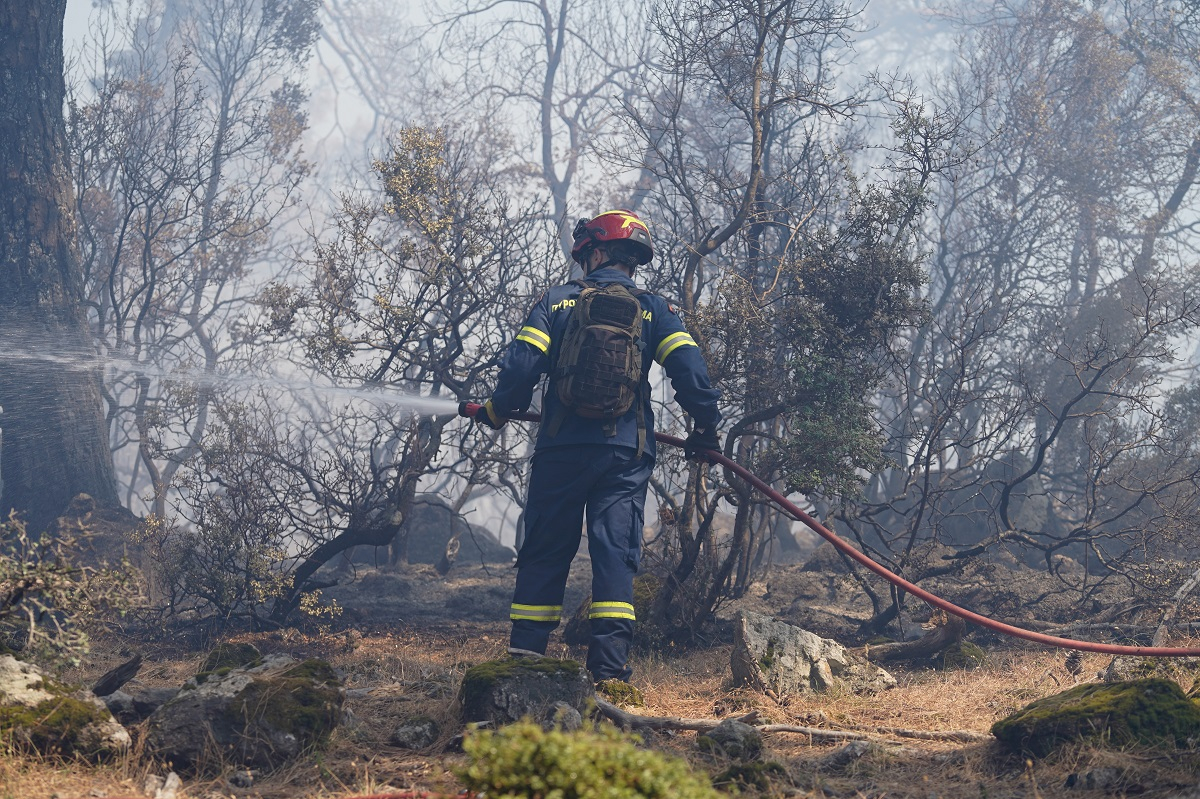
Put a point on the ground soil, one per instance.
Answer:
(405, 639)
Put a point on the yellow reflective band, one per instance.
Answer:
(672, 343)
(612, 610)
(531, 335)
(536, 612)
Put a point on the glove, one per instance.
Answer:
(487, 417)
(699, 440)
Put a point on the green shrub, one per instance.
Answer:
(48, 600)
(522, 761)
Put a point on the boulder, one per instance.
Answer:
(136, 702)
(733, 739)
(504, 691)
(1147, 712)
(781, 660)
(256, 715)
(419, 732)
(54, 718)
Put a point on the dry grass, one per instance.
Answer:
(396, 671)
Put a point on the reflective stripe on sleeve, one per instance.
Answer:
(535, 612)
(531, 335)
(612, 610)
(672, 343)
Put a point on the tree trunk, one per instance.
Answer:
(54, 441)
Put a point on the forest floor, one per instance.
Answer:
(406, 638)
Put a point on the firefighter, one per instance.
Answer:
(600, 467)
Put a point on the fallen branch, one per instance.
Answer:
(631, 721)
(959, 736)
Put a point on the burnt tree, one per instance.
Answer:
(54, 445)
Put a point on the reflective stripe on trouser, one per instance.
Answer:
(610, 483)
(536, 612)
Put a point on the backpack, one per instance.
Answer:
(597, 368)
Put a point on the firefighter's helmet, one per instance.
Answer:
(611, 226)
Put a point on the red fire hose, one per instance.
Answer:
(470, 409)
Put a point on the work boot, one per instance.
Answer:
(620, 692)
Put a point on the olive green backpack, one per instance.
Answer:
(597, 369)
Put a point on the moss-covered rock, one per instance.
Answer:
(504, 691)
(758, 776)
(1147, 712)
(962, 655)
(259, 715)
(525, 760)
(620, 692)
(295, 709)
(54, 718)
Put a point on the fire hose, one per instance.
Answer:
(469, 409)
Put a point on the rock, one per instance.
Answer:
(503, 691)
(21, 683)
(416, 733)
(146, 700)
(120, 704)
(242, 779)
(1150, 712)
(1097, 779)
(137, 702)
(253, 715)
(733, 739)
(843, 756)
(170, 787)
(54, 718)
(562, 716)
(783, 660)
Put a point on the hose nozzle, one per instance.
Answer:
(468, 409)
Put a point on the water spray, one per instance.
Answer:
(469, 409)
(380, 395)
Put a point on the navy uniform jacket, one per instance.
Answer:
(667, 342)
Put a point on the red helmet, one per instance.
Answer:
(610, 226)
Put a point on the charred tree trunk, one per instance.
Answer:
(54, 441)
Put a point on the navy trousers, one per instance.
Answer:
(609, 485)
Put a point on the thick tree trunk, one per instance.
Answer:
(54, 441)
